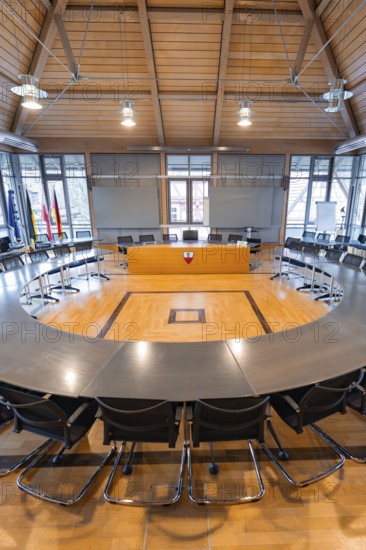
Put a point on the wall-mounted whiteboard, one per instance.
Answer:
(129, 207)
(241, 206)
(326, 216)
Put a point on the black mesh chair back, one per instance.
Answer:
(138, 420)
(311, 249)
(234, 419)
(4, 244)
(125, 239)
(85, 234)
(333, 254)
(190, 235)
(62, 250)
(233, 238)
(342, 239)
(317, 401)
(38, 256)
(146, 238)
(308, 234)
(361, 238)
(293, 243)
(40, 238)
(353, 260)
(170, 237)
(323, 237)
(305, 406)
(229, 419)
(61, 419)
(62, 236)
(214, 237)
(79, 247)
(11, 262)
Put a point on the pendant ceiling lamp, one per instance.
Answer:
(245, 113)
(336, 95)
(127, 113)
(30, 91)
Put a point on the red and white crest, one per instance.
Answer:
(188, 257)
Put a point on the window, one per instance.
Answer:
(66, 176)
(6, 183)
(359, 221)
(187, 187)
(314, 179)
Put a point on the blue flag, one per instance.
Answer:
(13, 218)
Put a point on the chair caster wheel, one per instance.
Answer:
(213, 469)
(282, 455)
(127, 469)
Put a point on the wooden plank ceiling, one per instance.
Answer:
(186, 66)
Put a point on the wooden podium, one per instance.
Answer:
(181, 258)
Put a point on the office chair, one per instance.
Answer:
(214, 238)
(40, 238)
(11, 262)
(59, 419)
(60, 236)
(85, 260)
(85, 234)
(361, 238)
(139, 421)
(256, 251)
(146, 239)
(190, 235)
(61, 252)
(303, 407)
(234, 419)
(353, 259)
(308, 235)
(342, 241)
(170, 237)
(323, 237)
(128, 240)
(35, 258)
(232, 238)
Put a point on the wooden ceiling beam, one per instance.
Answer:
(224, 55)
(320, 38)
(201, 14)
(38, 63)
(66, 46)
(149, 52)
(303, 45)
(321, 7)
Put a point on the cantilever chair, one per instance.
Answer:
(232, 238)
(234, 419)
(170, 237)
(12, 262)
(323, 237)
(62, 236)
(127, 240)
(305, 406)
(190, 235)
(256, 251)
(146, 238)
(214, 238)
(60, 419)
(139, 421)
(84, 234)
(308, 235)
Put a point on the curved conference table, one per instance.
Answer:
(42, 357)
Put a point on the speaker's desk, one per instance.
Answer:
(187, 257)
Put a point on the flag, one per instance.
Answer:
(46, 219)
(13, 218)
(56, 214)
(31, 221)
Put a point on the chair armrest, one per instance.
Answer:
(291, 402)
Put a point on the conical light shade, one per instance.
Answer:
(30, 91)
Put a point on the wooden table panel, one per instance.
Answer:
(164, 259)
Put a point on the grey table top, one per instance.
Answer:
(40, 357)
